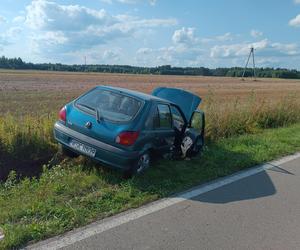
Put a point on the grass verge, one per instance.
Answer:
(78, 192)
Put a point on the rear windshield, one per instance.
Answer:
(111, 106)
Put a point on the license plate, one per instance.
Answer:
(87, 150)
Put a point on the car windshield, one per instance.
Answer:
(111, 106)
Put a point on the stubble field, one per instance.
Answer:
(25, 92)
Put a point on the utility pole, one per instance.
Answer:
(253, 61)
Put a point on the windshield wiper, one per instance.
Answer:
(97, 110)
(86, 106)
(98, 115)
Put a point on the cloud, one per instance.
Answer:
(18, 19)
(2, 19)
(295, 21)
(128, 1)
(291, 49)
(13, 32)
(221, 38)
(66, 28)
(184, 36)
(9, 36)
(47, 15)
(297, 1)
(3, 41)
(151, 2)
(226, 37)
(256, 33)
(185, 50)
(52, 38)
(107, 1)
(177, 55)
(262, 48)
(112, 55)
(144, 51)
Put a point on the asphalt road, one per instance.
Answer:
(261, 211)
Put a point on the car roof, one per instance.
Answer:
(134, 93)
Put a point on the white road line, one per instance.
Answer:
(115, 221)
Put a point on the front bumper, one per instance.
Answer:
(105, 153)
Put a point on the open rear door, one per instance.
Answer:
(193, 140)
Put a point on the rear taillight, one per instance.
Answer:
(127, 138)
(63, 114)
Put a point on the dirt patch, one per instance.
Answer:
(23, 168)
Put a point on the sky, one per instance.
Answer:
(211, 33)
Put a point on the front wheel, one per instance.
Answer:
(142, 164)
(197, 147)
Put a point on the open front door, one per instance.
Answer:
(197, 121)
(193, 140)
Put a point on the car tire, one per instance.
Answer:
(67, 152)
(141, 165)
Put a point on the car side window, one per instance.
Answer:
(152, 120)
(155, 118)
(178, 121)
(164, 115)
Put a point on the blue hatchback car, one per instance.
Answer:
(125, 129)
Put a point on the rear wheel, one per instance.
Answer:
(142, 164)
(67, 152)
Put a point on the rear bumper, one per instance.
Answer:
(105, 153)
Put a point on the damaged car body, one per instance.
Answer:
(124, 128)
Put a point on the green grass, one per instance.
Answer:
(77, 192)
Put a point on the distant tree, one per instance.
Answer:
(18, 63)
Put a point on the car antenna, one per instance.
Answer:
(253, 61)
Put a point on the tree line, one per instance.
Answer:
(18, 63)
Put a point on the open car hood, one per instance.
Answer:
(187, 101)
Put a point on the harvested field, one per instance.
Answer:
(25, 92)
